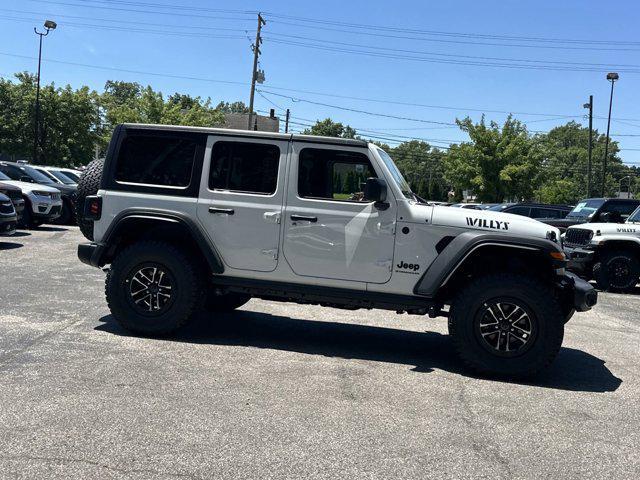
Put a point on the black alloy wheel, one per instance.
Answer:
(505, 327)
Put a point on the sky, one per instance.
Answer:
(392, 70)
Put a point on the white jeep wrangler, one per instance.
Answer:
(191, 218)
(607, 252)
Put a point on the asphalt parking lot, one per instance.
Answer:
(288, 391)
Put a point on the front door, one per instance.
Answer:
(241, 197)
(330, 231)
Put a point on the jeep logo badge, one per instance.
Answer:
(407, 267)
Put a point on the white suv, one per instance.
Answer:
(607, 252)
(43, 203)
(191, 217)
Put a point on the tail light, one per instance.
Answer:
(92, 208)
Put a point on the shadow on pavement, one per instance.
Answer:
(9, 245)
(49, 229)
(572, 370)
(21, 234)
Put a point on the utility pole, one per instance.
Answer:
(48, 26)
(286, 123)
(590, 107)
(254, 75)
(612, 77)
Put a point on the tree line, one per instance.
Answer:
(497, 163)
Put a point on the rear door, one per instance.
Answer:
(330, 231)
(241, 196)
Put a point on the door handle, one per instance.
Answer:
(303, 218)
(224, 211)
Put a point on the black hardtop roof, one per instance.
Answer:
(606, 199)
(536, 204)
(352, 142)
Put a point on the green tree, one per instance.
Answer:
(563, 178)
(232, 107)
(498, 163)
(68, 120)
(329, 128)
(421, 165)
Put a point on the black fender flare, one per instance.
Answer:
(126, 216)
(463, 245)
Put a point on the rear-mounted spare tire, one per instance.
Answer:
(88, 185)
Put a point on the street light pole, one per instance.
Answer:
(590, 107)
(48, 26)
(612, 77)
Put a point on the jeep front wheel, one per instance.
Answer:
(152, 288)
(506, 325)
(617, 270)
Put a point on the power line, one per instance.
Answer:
(442, 61)
(293, 99)
(230, 82)
(421, 52)
(439, 40)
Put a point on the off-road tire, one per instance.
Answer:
(541, 303)
(607, 281)
(186, 287)
(27, 218)
(66, 214)
(225, 302)
(88, 185)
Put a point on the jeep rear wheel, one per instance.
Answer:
(617, 270)
(506, 325)
(152, 288)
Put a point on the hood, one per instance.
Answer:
(28, 187)
(66, 189)
(7, 187)
(490, 221)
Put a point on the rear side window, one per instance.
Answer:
(547, 213)
(244, 167)
(156, 160)
(333, 174)
(524, 211)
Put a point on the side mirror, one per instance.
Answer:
(375, 190)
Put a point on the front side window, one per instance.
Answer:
(333, 174)
(623, 208)
(244, 167)
(156, 160)
(635, 216)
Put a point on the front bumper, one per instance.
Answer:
(91, 253)
(580, 260)
(578, 293)
(8, 225)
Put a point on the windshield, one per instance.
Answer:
(635, 216)
(4, 177)
(585, 208)
(397, 176)
(70, 175)
(62, 177)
